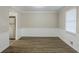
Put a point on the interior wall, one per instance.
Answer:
(39, 23)
(77, 19)
(39, 20)
(18, 26)
(4, 33)
(63, 34)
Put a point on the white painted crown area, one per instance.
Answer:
(38, 8)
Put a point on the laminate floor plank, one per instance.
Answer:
(39, 45)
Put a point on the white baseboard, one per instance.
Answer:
(4, 41)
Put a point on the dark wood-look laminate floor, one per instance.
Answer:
(39, 45)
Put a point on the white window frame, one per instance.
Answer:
(70, 20)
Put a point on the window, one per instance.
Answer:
(70, 24)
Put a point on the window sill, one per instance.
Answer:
(71, 33)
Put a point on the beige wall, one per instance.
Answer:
(19, 19)
(39, 20)
(3, 19)
(18, 25)
(78, 19)
(4, 28)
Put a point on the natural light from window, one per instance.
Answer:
(70, 24)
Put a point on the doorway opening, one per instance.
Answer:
(12, 29)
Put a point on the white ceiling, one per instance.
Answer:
(38, 8)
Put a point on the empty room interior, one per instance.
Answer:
(39, 29)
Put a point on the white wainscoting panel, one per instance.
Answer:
(4, 41)
(39, 32)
